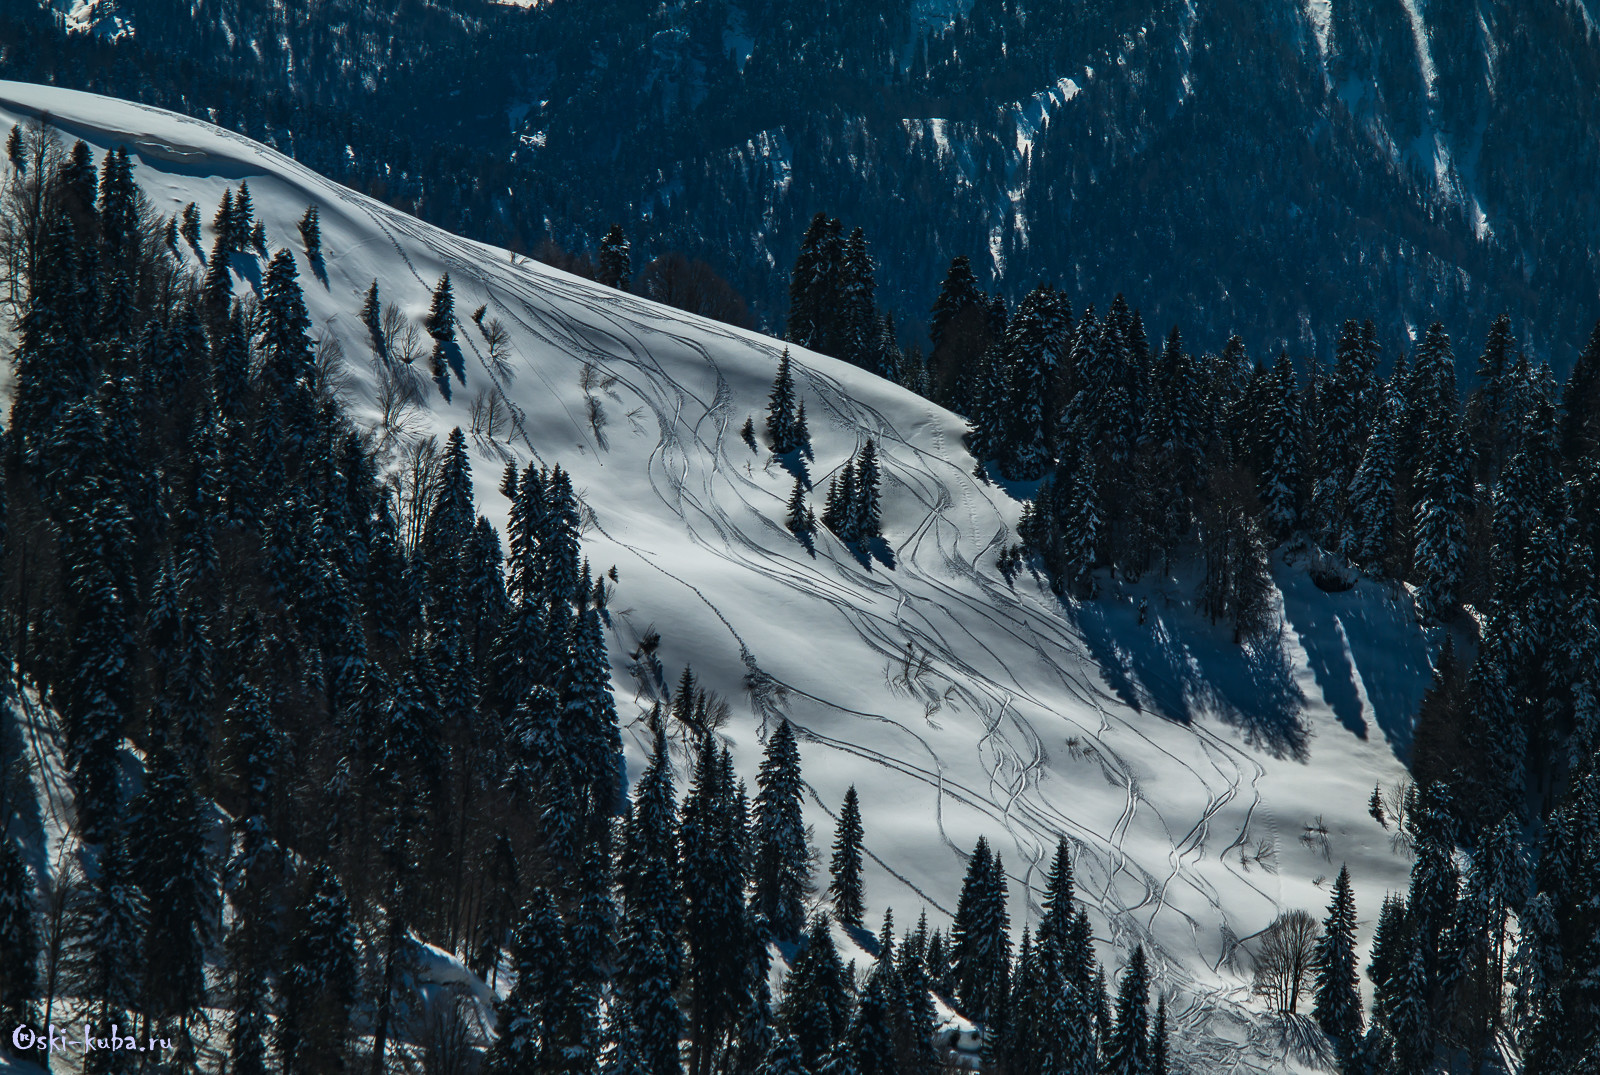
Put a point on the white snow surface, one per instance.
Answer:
(1192, 776)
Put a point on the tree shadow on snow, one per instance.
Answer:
(1179, 666)
(795, 463)
(1364, 639)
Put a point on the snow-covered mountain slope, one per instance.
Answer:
(1206, 787)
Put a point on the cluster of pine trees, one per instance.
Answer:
(404, 725)
(851, 510)
(831, 307)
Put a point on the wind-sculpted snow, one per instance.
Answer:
(1195, 778)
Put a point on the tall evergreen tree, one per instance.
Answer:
(1337, 1005)
(845, 866)
(319, 986)
(782, 867)
(1128, 1051)
(19, 936)
(979, 937)
(616, 263)
(781, 409)
(1282, 468)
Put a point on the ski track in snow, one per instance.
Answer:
(1159, 814)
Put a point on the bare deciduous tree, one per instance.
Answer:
(1284, 956)
(493, 419)
(498, 358)
(413, 485)
(402, 339)
(694, 286)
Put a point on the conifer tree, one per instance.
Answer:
(981, 948)
(189, 227)
(283, 325)
(816, 1002)
(809, 308)
(244, 218)
(868, 479)
(845, 866)
(319, 986)
(1078, 522)
(372, 318)
(840, 512)
(958, 292)
(616, 263)
(1282, 469)
(311, 234)
(178, 883)
(859, 329)
(528, 1016)
(781, 410)
(117, 912)
(1159, 1062)
(1056, 924)
(782, 871)
(1370, 524)
(19, 936)
(797, 517)
(1580, 403)
(1128, 1051)
(1337, 1005)
(222, 224)
(1444, 495)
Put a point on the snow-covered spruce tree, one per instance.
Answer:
(712, 841)
(797, 517)
(282, 324)
(869, 479)
(839, 513)
(319, 984)
(845, 866)
(1337, 989)
(1369, 522)
(816, 1001)
(222, 222)
(440, 324)
(859, 328)
(1056, 923)
(1444, 495)
(1496, 884)
(981, 946)
(175, 875)
(589, 717)
(783, 1058)
(870, 1039)
(1282, 470)
(1339, 437)
(527, 1017)
(1128, 1050)
(19, 936)
(243, 221)
(111, 945)
(813, 285)
(1160, 1063)
(616, 262)
(782, 870)
(1487, 406)
(1030, 361)
(372, 320)
(1079, 524)
(781, 436)
(311, 234)
(985, 405)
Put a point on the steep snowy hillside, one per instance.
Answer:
(1206, 787)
